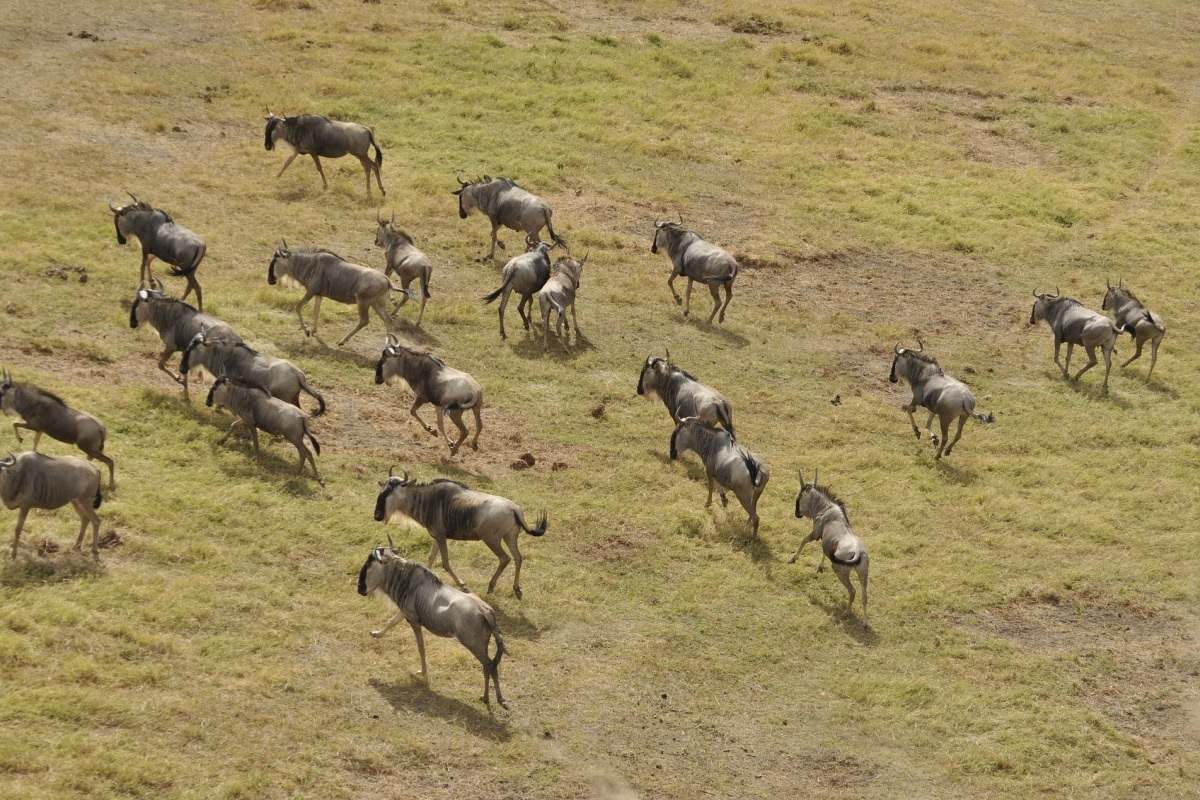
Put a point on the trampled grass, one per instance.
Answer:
(883, 172)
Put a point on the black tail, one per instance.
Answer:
(726, 422)
(852, 563)
(987, 418)
(183, 272)
(425, 284)
(313, 439)
(320, 400)
(378, 152)
(494, 663)
(98, 500)
(538, 530)
(752, 467)
(558, 240)
(488, 298)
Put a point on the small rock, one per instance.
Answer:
(836, 401)
(969, 370)
(110, 539)
(177, 129)
(518, 465)
(47, 546)
(558, 466)
(598, 411)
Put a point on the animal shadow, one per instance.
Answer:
(735, 529)
(299, 348)
(516, 625)
(416, 696)
(954, 473)
(37, 570)
(417, 336)
(850, 621)
(1155, 385)
(733, 338)
(1095, 391)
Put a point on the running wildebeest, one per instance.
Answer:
(403, 258)
(506, 204)
(731, 465)
(557, 295)
(321, 137)
(683, 395)
(1072, 322)
(525, 274)
(239, 361)
(326, 274)
(161, 237)
(450, 390)
(449, 510)
(935, 391)
(421, 599)
(831, 527)
(256, 410)
(177, 324)
(33, 480)
(1133, 318)
(42, 412)
(697, 260)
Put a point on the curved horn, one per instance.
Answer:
(392, 338)
(800, 472)
(816, 475)
(920, 345)
(391, 544)
(134, 196)
(392, 471)
(668, 354)
(1035, 292)
(1107, 282)
(680, 213)
(897, 348)
(405, 476)
(112, 208)
(1057, 293)
(461, 182)
(656, 222)
(157, 285)
(393, 220)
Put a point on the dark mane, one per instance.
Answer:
(29, 387)
(831, 497)
(313, 251)
(1121, 291)
(684, 373)
(459, 484)
(920, 356)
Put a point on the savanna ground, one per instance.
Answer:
(883, 170)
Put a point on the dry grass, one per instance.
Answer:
(883, 172)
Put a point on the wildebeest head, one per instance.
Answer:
(273, 130)
(654, 374)
(901, 356)
(804, 498)
(1042, 304)
(683, 437)
(372, 572)
(468, 195)
(571, 268)
(199, 340)
(279, 265)
(391, 492)
(145, 295)
(121, 219)
(1113, 294)
(6, 391)
(387, 232)
(664, 232)
(218, 392)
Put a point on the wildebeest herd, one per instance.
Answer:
(263, 392)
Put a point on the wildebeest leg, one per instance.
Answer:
(145, 273)
(715, 291)
(367, 168)
(687, 299)
(1108, 354)
(456, 418)
(909, 409)
(424, 673)
(162, 364)
(83, 524)
(708, 502)
(945, 423)
(863, 570)
(1153, 355)
(928, 425)
(1067, 367)
(324, 183)
(843, 574)
(558, 330)
(503, 305)
(728, 297)
(287, 163)
(308, 295)
(575, 321)
(750, 503)
(103, 459)
(478, 425)
(37, 437)
(254, 438)
(441, 426)
(492, 253)
(193, 284)
(1091, 353)
(417, 403)
(380, 307)
(495, 546)
(16, 430)
(20, 524)
(1137, 353)
(671, 286)
(387, 626)
(962, 420)
(364, 316)
(526, 318)
(546, 328)
(229, 432)
(445, 551)
(1057, 348)
(517, 560)
(433, 548)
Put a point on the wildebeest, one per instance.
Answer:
(831, 527)
(731, 465)
(451, 391)
(177, 324)
(239, 361)
(697, 260)
(402, 257)
(525, 274)
(33, 480)
(256, 410)
(326, 274)
(321, 137)
(1133, 318)
(558, 294)
(1072, 322)
(683, 395)
(505, 203)
(449, 510)
(932, 389)
(424, 601)
(43, 412)
(161, 237)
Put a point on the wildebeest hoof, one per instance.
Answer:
(724, 501)
(792, 560)
(518, 593)
(933, 439)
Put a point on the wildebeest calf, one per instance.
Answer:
(558, 294)
(177, 324)
(421, 599)
(32, 480)
(1072, 322)
(256, 410)
(726, 462)
(1142, 324)
(831, 527)
(239, 361)
(42, 412)
(402, 257)
(525, 274)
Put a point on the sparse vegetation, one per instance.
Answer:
(1034, 598)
